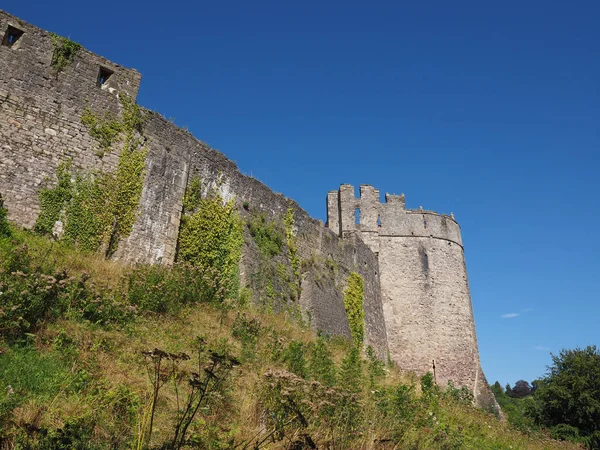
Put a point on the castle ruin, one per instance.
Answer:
(423, 277)
(417, 304)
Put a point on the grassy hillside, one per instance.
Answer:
(94, 355)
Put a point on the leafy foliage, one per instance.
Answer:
(266, 234)
(353, 301)
(570, 393)
(247, 330)
(161, 289)
(321, 365)
(81, 382)
(290, 238)
(105, 130)
(295, 358)
(211, 237)
(64, 52)
(54, 200)
(566, 401)
(99, 209)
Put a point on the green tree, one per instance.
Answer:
(570, 393)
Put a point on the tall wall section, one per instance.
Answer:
(425, 290)
(40, 127)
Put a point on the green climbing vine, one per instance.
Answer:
(105, 130)
(64, 52)
(290, 237)
(211, 236)
(99, 209)
(53, 201)
(266, 233)
(353, 301)
(86, 214)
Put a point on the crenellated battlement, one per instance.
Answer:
(417, 305)
(367, 215)
(424, 285)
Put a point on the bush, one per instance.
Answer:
(295, 358)
(247, 330)
(321, 366)
(161, 289)
(28, 299)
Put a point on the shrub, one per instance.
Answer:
(161, 289)
(321, 366)
(247, 330)
(28, 299)
(295, 358)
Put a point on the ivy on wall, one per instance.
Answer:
(267, 235)
(210, 236)
(53, 201)
(290, 237)
(99, 209)
(64, 52)
(105, 130)
(353, 301)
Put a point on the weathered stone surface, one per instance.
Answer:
(40, 127)
(411, 261)
(424, 286)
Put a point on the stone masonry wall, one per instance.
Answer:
(425, 291)
(40, 125)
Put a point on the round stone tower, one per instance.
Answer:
(425, 289)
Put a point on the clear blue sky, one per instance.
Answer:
(490, 110)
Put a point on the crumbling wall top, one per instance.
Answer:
(367, 214)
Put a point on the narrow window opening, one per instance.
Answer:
(424, 222)
(357, 216)
(103, 75)
(11, 36)
(378, 221)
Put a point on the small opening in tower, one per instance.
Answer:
(357, 216)
(378, 220)
(11, 36)
(424, 222)
(103, 75)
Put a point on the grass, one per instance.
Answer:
(75, 383)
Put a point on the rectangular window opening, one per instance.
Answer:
(103, 75)
(357, 216)
(11, 36)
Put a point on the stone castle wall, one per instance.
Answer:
(40, 127)
(41, 113)
(425, 290)
(416, 290)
